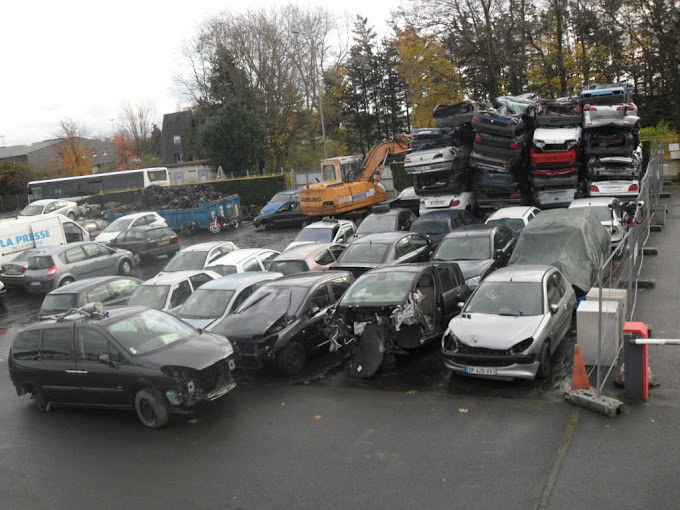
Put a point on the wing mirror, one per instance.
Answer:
(106, 359)
(554, 308)
(313, 311)
(461, 304)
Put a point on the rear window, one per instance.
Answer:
(513, 223)
(119, 224)
(159, 233)
(288, 266)
(55, 303)
(428, 226)
(40, 262)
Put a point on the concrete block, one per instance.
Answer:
(650, 250)
(598, 403)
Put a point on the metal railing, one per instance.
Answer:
(618, 276)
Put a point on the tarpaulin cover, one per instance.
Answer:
(573, 240)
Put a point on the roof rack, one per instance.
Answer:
(95, 309)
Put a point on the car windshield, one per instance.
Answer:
(187, 260)
(288, 266)
(283, 197)
(430, 226)
(379, 288)
(119, 224)
(154, 296)
(364, 253)
(40, 262)
(603, 213)
(274, 299)
(149, 331)
(223, 269)
(507, 298)
(31, 210)
(377, 224)
(513, 223)
(206, 304)
(317, 235)
(55, 303)
(464, 248)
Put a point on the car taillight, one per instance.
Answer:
(52, 271)
(147, 244)
(478, 138)
(620, 108)
(594, 188)
(24, 269)
(454, 203)
(476, 119)
(516, 195)
(407, 160)
(514, 145)
(633, 187)
(176, 240)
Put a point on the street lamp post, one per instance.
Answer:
(113, 129)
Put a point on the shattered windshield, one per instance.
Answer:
(464, 248)
(379, 288)
(507, 298)
(274, 299)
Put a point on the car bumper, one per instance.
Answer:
(509, 372)
(39, 286)
(12, 281)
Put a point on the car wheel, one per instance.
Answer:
(291, 359)
(66, 281)
(39, 398)
(150, 408)
(71, 215)
(137, 258)
(125, 267)
(545, 359)
(264, 226)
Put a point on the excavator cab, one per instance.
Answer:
(343, 168)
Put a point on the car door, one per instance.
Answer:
(452, 292)
(420, 248)
(565, 306)
(121, 290)
(266, 258)
(179, 293)
(324, 259)
(106, 259)
(77, 263)
(405, 220)
(199, 279)
(252, 264)
(557, 319)
(58, 372)
(312, 319)
(103, 383)
(336, 250)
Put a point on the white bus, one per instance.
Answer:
(86, 185)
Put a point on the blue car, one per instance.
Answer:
(282, 197)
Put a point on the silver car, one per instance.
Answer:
(511, 325)
(60, 265)
(167, 292)
(47, 206)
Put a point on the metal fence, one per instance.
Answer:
(618, 277)
(12, 203)
(301, 179)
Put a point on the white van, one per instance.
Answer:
(19, 234)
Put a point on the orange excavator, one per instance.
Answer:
(360, 191)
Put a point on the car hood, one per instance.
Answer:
(198, 353)
(105, 237)
(271, 207)
(247, 325)
(198, 323)
(471, 268)
(557, 135)
(494, 331)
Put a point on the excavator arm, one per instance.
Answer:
(376, 160)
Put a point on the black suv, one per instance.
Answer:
(128, 357)
(147, 242)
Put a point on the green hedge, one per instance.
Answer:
(251, 190)
(401, 179)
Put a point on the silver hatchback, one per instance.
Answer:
(511, 325)
(60, 265)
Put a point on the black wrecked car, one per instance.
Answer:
(129, 357)
(147, 242)
(392, 310)
(281, 322)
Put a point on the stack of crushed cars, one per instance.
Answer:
(439, 157)
(555, 171)
(612, 152)
(501, 151)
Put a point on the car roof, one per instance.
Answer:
(287, 192)
(88, 283)
(444, 213)
(236, 256)
(519, 273)
(132, 216)
(414, 267)
(50, 250)
(329, 223)
(304, 250)
(177, 276)
(237, 280)
(387, 212)
(512, 212)
(205, 246)
(45, 201)
(112, 315)
(594, 201)
(307, 279)
(477, 229)
(382, 237)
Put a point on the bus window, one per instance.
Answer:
(157, 175)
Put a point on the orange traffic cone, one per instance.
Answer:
(579, 377)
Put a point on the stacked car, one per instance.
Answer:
(501, 149)
(556, 153)
(611, 146)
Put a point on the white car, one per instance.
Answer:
(325, 231)
(464, 200)
(48, 206)
(557, 139)
(514, 217)
(618, 188)
(610, 213)
(168, 292)
(621, 115)
(245, 260)
(440, 159)
(198, 256)
(130, 221)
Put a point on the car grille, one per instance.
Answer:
(482, 357)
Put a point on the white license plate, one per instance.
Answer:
(421, 168)
(437, 202)
(480, 371)
(35, 283)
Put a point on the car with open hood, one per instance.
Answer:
(280, 198)
(130, 221)
(393, 310)
(282, 321)
(478, 250)
(288, 214)
(511, 325)
(130, 357)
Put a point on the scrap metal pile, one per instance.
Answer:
(175, 197)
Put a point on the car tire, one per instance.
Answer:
(66, 281)
(40, 401)
(264, 226)
(291, 359)
(125, 267)
(137, 258)
(150, 408)
(71, 215)
(545, 358)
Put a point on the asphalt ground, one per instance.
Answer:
(413, 439)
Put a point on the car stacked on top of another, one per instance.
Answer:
(373, 250)
(130, 357)
(147, 242)
(60, 265)
(169, 291)
(407, 199)
(394, 309)
(198, 256)
(243, 260)
(307, 257)
(51, 206)
(130, 221)
(327, 230)
(282, 321)
(511, 325)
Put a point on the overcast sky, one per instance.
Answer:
(79, 60)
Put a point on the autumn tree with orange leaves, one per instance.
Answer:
(125, 148)
(74, 157)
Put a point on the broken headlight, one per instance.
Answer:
(522, 346)
(450, 342)
(474, 281)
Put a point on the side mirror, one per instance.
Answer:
(461, 304)
(313, 311)
(106, 359)
(554, 308)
